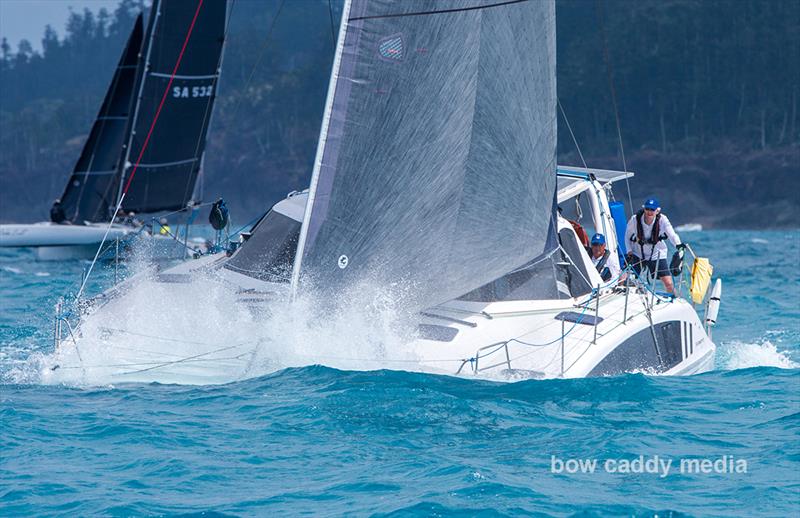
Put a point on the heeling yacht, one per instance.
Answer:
(529, 322)
(169, 166)
(436, 170)
(435, 181)
(494, 332)
(513, 327)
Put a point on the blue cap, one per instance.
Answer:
(651, 203)
(598, 239)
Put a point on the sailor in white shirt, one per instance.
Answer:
(646, 237)
(607, 264)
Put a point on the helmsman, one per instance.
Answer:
(607, 264)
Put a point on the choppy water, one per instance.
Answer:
(324, 441)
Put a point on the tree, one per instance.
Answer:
(24, 53)
(5, 48)
(50, 43)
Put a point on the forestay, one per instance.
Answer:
(168, 170)
(436, 166)
(92, 187)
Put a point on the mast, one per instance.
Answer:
(155, 13)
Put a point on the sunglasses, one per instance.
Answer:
(649, 210)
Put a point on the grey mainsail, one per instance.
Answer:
(436, 165)
(92, 187)
(167, 172)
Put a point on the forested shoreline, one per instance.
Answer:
(706, 93)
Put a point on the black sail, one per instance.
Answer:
(168, 168)
(435, 171)
(92, 187)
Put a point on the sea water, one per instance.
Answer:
(322, 441)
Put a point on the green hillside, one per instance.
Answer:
(706, 92)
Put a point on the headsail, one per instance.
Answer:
(436, 162)
(169, 167)
(92, 187)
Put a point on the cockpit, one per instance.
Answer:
(566, 272)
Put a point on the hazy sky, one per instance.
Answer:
(26, 18)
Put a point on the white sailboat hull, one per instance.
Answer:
(54, 242)
(523, 339)
(58, 242)
(503, 341)
(52, 234)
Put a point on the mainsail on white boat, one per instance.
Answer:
(155, 165)
(437, 148)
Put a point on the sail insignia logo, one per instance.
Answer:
(391, 48)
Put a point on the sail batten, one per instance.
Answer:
(478, 5)
(435, 170)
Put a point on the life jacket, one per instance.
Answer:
(583, 237)
(604, 272)
(655, 234)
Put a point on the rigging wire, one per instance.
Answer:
(569, 127)
(333, 28)
(610, 75)
(163, 99)
(258, 59)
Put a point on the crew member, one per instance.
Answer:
(132, 220)
(607, 264)
(165, 230)
(646, 235)
(57, 212)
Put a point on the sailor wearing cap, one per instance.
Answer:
(164, 230)
(607, 264)
(646, 236)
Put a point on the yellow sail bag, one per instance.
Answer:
(701, 278)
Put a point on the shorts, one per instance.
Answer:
(654, 266)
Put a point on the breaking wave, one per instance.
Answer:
(205, 332)
(744, 355)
